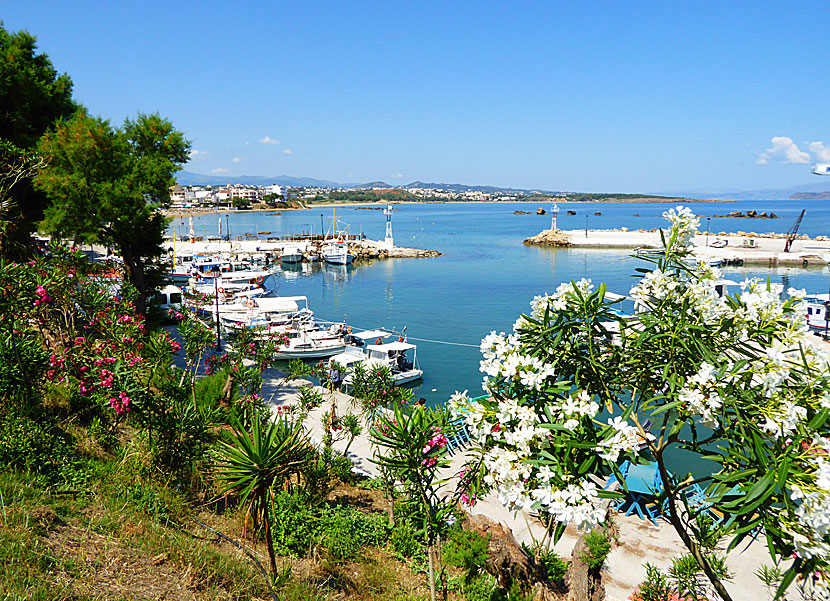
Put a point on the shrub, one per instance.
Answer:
(466, 549)
(39, 448)
(19, 352)
(296, 524)
(598, 548)
(654, 588)
(299, 525)
(555, 567)
(405, 539)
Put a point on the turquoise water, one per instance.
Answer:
(486, 277)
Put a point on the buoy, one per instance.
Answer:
(400, 339)
(259, 278)
(349, 330)
(378, 341)
(249, 303)
(221, 290)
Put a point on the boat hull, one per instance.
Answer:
(310, 353)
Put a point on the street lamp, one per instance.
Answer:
(708, 222)
(586, 225)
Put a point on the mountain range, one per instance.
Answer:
(813, 191)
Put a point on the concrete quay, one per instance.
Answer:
(736, 249)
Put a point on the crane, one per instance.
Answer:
(793, 231)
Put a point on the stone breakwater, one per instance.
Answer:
(369, 251)
(548, 238)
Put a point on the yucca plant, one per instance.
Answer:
(258, 462)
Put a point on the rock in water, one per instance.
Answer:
(540, 211)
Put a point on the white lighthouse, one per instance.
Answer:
(388, 241)
(554, 214)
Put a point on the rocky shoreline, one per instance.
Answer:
(366, 251)
(747, 215)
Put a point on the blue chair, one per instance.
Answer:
(642, 484)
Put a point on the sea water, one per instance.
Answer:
(486, 277)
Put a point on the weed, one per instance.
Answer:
(598, 548)
(466, 549)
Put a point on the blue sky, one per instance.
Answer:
(587, 96)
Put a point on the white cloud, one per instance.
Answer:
(237, 159)
(268, 140)
(287, 151)
(219, 170)
(783, 150)
(820, 152)
(200, 154)
(247, 143)
(397, 176)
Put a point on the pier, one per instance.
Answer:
(731, 249)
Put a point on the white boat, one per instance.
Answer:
(818, 312)
(272, 313)
(391, 355)
(292, 254)
(337, 252)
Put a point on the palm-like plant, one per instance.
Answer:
(259, 461)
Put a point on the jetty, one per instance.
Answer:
(361, 248)
(740, 248)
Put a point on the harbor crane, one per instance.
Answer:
(793, 231)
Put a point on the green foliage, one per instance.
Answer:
(555, 567)
(317, 475)
(466, 549)
(258, 462)
(106, 185)
(309, 398)
(33, 96)
(771, 576)
(209, 390)
(598, 548)
(339, 532)
(375, 387)
(40, 449)
(687, 576)
(406, 539)
(654, 588)
(22, 359)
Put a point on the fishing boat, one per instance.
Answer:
(312, 341)
(337, 252)
(336, 249)
(388, 354)
(818, 312)
(292, 254)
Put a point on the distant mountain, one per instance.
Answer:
(188, 178)
(465, 188)
(371, 185)
(802, 192)
(810, 196)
